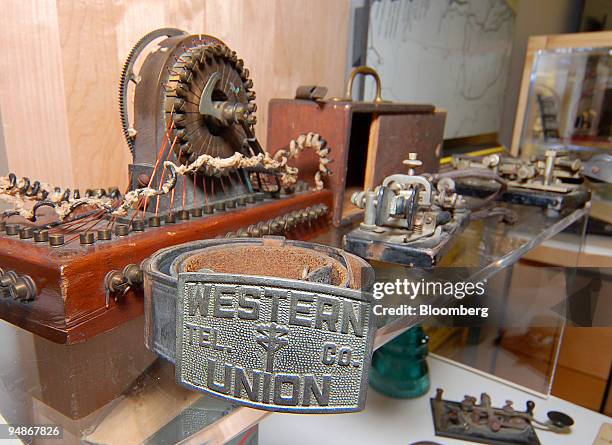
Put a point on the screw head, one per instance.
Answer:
(138, 225)
(154, 221)
(26, 233)
(170, 218)
(122, 230)
(104, 234)
(56, 240)
(87, 238)
(41, 236)
(12, 229)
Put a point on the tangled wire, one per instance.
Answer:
(29, 197)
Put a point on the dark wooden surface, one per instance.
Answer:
(393, 136)
(70, 305)
(288, 119)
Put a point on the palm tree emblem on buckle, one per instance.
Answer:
(272, 338)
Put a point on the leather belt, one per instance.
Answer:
(268, 323)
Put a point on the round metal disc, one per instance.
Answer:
(560, 419)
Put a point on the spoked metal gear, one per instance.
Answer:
(210, 99)
(127, 76)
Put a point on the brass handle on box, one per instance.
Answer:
(366, 71)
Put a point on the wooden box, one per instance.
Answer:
(368, 140)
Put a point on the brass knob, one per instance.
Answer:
(114, 280)
(133, 275)
(7, 279)
(23, 289)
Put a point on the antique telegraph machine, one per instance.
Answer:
(409, 219)
(70, 260)
(552, 181)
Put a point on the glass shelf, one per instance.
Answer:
(112, 390)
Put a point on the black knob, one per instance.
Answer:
(559, 419)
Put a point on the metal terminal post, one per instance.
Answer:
(412, 162)
(119, 283)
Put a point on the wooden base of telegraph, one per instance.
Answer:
(71, 303)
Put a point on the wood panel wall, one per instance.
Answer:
(62, 61)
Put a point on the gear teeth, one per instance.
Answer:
(181, 134)
(126, 76)
(186, 148)
(179, 120)
(197, 54)
(182, 90)
(208, 54)
(190, 63)
(177, 105)
(185, 75)
(181, 83)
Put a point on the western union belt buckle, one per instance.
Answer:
(272, 343)
(282, 345)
